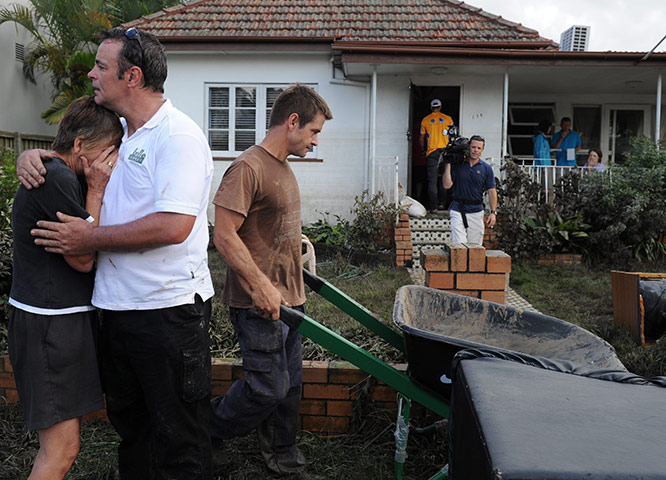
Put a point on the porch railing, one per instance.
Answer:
(546, 176)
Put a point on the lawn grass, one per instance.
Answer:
(579, 294)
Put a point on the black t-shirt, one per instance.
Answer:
(42, 279)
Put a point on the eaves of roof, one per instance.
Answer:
(359, 52)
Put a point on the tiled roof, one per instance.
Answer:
(343, 20)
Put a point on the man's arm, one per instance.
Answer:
(266, 299)
(447, 181)
(562, 136)
(75, 236)
(492, 199)
(30, 167)
(422, 141)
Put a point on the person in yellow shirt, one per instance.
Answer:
(434, 137)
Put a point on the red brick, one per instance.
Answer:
(435, 260)
(8, 365)
(237, 371)
(315, 372)
(339, 408)
(481, 281)
(313, 407)
(400, 262)
(326, 424)
(11, 396)
(467, 293)
(343, 372)
(221, 370)
(476, 257)
(220, 387)
(96, 416)
(403, 244)
(458, 253)
(7, 380)
(439, 280)
(498, 262)
(383, 393)
(494, 296)
(311, 390)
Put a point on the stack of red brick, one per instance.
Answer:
(403, 242)
(468, 269)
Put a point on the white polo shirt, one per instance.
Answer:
(165, 166)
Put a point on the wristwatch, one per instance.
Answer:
(494, 212)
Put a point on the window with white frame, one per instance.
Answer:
(237, 116)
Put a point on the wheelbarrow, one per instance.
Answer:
(434, 326)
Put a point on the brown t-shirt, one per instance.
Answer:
(264, 190)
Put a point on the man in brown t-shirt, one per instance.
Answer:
(258, 232)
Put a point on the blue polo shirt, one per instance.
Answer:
(570, 141)
(469, 183)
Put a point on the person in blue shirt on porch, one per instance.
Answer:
(567, 142)
(541, 144)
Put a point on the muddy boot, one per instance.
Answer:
(280, 462)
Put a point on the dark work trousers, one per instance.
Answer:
(156, 377)
(432, 162)
(269, 396)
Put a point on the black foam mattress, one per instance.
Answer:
(516, 417)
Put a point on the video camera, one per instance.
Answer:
(456, 152)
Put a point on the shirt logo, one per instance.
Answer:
(137, 156)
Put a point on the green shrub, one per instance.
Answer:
(8, 186)
(626, 207)
(322, 231)
(370, 231)
(616, 216)
(372, 227)
(530, 227)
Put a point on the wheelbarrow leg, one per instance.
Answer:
(401, 435)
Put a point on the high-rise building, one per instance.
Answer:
(575, 39)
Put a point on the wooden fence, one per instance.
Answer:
(22, 141)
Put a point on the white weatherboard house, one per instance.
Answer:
(21, 101)
(378, 63)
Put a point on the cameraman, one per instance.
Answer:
(469, 179)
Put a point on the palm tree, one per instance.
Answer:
(64, 42)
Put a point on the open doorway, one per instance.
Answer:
(420, 108)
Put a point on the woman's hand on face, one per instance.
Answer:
(99, 169)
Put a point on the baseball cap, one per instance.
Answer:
(436, 102)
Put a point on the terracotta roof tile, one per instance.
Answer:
(347, 20)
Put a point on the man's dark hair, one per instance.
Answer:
(302, 100)
(565, 119)
(478, 138)
(90, 122)
(145, 51)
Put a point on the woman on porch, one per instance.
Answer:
(541, 144)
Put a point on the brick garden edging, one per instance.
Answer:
(330, 392)
(560, 259)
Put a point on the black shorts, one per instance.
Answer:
(54, 358)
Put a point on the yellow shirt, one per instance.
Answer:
(436, 129)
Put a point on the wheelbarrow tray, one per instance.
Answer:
(437, 324)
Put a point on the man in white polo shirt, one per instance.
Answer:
(152, 279)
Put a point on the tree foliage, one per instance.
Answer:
(63, 40)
